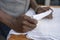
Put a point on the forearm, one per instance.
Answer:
(9, 21)
(33, 4)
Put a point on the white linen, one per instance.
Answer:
(46, 29)
(38, 17)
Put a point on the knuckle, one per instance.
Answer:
(26, 17)
(23, 22)
(35, 21)
(34, 26)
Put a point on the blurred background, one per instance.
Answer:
(49, 2)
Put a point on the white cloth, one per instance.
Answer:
(45, 30)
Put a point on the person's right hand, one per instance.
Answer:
(26, 23)
(22, 23)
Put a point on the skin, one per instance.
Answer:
(18, 23)
(36, 5)
(21, 23)
(41, 9)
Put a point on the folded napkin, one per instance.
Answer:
(32, 14)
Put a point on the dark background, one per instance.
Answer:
(53, 2)
(41, 2)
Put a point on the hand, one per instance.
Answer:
(42, 9)
(22, 23)
(27, 23)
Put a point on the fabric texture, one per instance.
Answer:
(14, 7)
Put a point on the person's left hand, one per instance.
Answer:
(42, 9)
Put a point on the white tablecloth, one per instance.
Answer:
(47, 29)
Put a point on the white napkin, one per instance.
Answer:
(32, 14)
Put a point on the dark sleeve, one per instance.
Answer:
(4, 29)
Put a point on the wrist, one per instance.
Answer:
(37, 9)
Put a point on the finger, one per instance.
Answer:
(29, 19)
(26, 28)
(29, 24)
(46, 8)
(33, 21)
